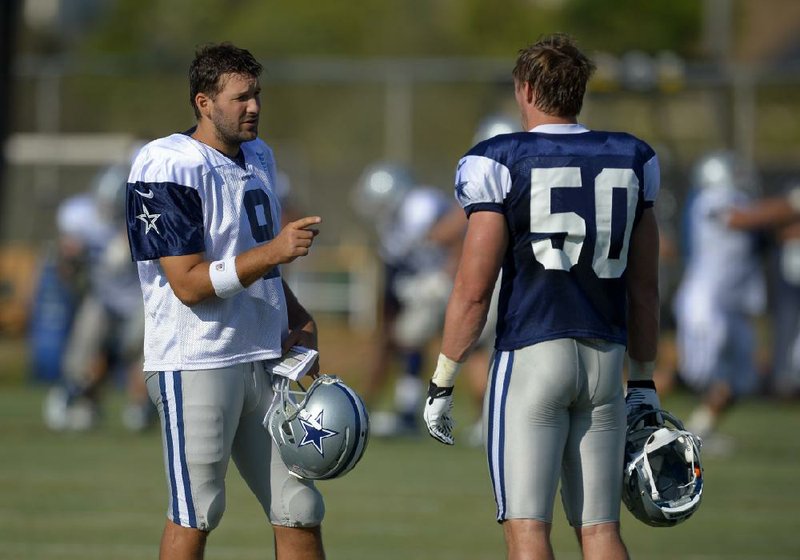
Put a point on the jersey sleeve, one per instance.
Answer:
(481, 183)
(652, 180)
(164, 217)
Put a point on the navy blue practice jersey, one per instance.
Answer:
(571, 198)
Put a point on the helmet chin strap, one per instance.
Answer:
(661, 438)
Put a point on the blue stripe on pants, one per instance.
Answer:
(175, 439)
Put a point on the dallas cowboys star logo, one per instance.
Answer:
(149, 220)
(460, 190)
(315, 433)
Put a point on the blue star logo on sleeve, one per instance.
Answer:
(148, 219)
(315, 433)
(460, 190)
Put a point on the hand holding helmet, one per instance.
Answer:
(663, 479)
(641, 390)
(641, 396)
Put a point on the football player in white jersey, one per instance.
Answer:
(416, 244)
(722, 290)
(778, 218)
(106, 334)
(204, 227)
(567, 213)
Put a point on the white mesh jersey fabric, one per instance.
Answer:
(215, 333)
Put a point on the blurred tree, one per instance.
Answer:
(396, 28)
(135, 51)
(124, 69)
(617, 26)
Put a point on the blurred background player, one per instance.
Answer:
(290, 206)
(720, 293)
(416, 247)
(106, 336)
(61, 283)
(778, 217)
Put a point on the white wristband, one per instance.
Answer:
(640, 371)
(446, 371)
(224, 278)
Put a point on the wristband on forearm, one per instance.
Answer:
(224, 279)
(642, 384)
(446, 371)
(640, 371)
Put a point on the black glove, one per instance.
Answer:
(641, 396)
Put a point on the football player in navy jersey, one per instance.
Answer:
(566, 212)
(203, 223)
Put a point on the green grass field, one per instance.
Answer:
(101, 495)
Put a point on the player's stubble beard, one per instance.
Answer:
(229, 131)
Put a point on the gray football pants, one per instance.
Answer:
(555, 411)
(209, 416)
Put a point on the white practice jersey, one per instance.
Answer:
(724, 272)
(403, 241)
(185, 197)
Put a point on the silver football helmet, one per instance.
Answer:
(380, 189)
(663, 479)
(323, 435)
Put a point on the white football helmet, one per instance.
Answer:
(325, 434)
(723, 170)
(495, 124)
(109, 187)
(663, 479)
(380, 189)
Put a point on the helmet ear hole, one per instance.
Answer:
(286, 429)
